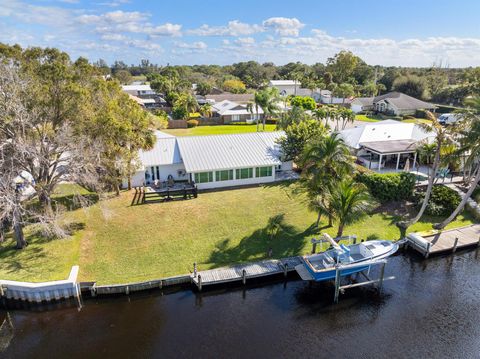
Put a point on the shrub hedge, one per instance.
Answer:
(389, 186)
(442, 202)
(192, 123)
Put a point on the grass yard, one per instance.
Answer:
(368, 118)
(217, 130)
(117, 243)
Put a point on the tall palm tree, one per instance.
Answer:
(349, 202)
(470, 144)
(268, 100)
(206, 110)
(442, 136)
(325, 161)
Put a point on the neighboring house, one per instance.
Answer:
(399, 104)
(326, 97)
(241, 98)
(213, 161)
(293, 87)
(230, 111)
(144, 102)
(285, 87)
(148, 97)
(386, 144)
(361, 104)
(139, 90)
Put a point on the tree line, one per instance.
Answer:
(345, 74)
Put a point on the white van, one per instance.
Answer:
(449, 118)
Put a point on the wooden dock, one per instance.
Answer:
(242, 272)
(449, 240)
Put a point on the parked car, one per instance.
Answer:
(449, 118)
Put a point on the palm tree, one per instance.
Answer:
(470, 143)
(325, 162)
(349, 202)
(268, 101)
(206, 110)
(443, 135)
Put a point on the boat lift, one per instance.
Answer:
(339, 288)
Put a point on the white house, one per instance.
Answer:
(213, 161)
(361, 104)
(231, 111)
(285, 87)
(139, 90)
(386, 143)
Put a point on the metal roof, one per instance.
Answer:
(165, 151)
(209, 153)
(396, 146)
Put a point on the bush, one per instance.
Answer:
(192, 123)
(389, 186)
(271, 121)
(421, 114)
(443, 201)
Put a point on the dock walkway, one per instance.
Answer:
(242, 272)
(449, 240)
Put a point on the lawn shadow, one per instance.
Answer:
(286, 241)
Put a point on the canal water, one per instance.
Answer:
(432, 310)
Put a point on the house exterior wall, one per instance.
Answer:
(241, 118)
(289, 89)
(138, 179)
(235, 181)
(287, 166)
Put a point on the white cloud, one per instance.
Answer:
(135, 22)
(233, 28)
(245, 41)
(284, 26)
(199, 45)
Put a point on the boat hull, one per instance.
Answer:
(381, 250)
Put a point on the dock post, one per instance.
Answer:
(127, 290)
(382, 274)
(455, 244)
(200, 282)
(194, 269)
(478, 243)
(337, 285)
(427, 253)
(314, 247)
(244, 276)
(354, 240)
(285, 269)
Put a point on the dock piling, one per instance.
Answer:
(382, 274)
(337, 285)
(195, 269)
(244, 276)
(285, 270)
(200, 282)
(455, 244)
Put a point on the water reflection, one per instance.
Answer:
(430, 310)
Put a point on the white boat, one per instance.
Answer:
(323, 266)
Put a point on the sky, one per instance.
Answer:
(382, 32)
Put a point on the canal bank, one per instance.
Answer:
(430, 310)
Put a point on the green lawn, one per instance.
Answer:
(368, 118)
(119, 243)
(217, 130)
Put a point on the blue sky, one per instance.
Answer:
(394, 32)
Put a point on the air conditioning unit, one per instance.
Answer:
(181, 173)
